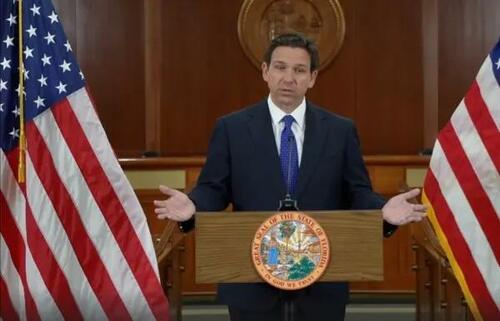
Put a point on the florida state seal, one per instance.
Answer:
(290, 250)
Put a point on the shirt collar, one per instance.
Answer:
(277, 114)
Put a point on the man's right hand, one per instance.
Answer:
(178, 207)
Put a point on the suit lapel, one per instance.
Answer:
(314, 140)
(260, 126)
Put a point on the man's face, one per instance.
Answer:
(289, 76)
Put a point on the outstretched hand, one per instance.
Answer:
(178, 207)
(399, 211)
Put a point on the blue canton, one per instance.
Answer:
(51, 70)
(495, 59)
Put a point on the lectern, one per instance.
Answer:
(224, 239)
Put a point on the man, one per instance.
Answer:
(283, 145)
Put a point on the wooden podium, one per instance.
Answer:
(224, 239)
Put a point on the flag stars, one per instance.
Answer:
(35, 10)
(68, 46)
(3, 85)
(31, 31)
(9, 41)
(12, 20)
(61, 87)
(46, 60)
(53, 17)
(1, 107)
(81, 75)
(14, 133)
(5, 63)
(65, 66)
(16, 112)
(42, 80)
(39, 102)
(498, 63)
(49, 38)
(26, 74)
(28, 52)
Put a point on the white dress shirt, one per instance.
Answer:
(298, 127)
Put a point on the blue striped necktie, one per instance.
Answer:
(289, 157)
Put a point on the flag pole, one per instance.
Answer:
(21, 170)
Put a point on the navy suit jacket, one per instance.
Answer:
(243, 168)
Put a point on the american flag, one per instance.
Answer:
(462, 189)
(74, 241)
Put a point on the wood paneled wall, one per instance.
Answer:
(165, 70)
(161, 72)
(467, 32)
(208, 75)
(457, 36)
(108, 38)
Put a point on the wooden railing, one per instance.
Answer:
(167, 251)
(439, 297)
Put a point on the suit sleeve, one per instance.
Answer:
(357, 180)
(213, 192)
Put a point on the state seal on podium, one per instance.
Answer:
(290, 250)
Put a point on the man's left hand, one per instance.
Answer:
(398, 211)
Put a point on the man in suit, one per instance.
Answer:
(285, 144)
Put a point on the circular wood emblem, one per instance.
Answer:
(290, 250)
(260, 21)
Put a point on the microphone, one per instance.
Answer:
(288, 204)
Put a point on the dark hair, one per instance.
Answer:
(294, 40)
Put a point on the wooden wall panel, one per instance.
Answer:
(111, 53)
(398, 259)
(66, 10)
(153, 73)
(468, 30)
(376, 79)
(108, 40)
(335, 87)
(388, 69)
(205, 73)
(161, 72)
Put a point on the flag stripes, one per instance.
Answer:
(490, 90)
(458, 212)
(82, 106)
(462, 189)
(79, 227)
(47, 308)
(459, 253)
(53, 277)
(17, 296)
(9, 313)
(484, 123)
(15, 243)
(59, 204)
(108, 202)
(472, 189)
(73, 277)
(75, 241)
(476, 152)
